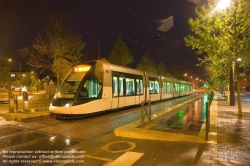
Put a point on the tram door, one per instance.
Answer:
(117, 91)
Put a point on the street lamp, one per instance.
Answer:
(223, 4)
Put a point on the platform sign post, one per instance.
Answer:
(207, 119)
(25, 101)
(11, 102)
(16, 102)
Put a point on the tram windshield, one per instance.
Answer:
(71, 83)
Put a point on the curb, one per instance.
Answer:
(27, 114)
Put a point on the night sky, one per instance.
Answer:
(136, 20)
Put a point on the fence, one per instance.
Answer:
(145, 111)
(50, 90)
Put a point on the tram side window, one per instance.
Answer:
(167, 87)
(170, 87)
(121, 91)
(177, 88)
(182, 87)
(91, 88)
(164, 86)
(190, 87)
(130, 86)
(115, 86)
(139, 86)
(154, 86)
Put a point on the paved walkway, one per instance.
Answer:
(233, 147)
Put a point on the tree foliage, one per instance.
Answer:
(162, 69)
(26, 80)
(120, 53)
(222, 36)
(147, 63)
(61, 67)
(174, 71)
(5, 72)
(58, 40)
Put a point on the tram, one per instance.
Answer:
(98, 86)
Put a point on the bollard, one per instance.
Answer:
(212, 95)
(207, 120)
(11, 102)
(16, 102)
(25, 101)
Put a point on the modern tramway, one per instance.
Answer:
(98, 86)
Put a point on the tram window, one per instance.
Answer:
(130, 86)
(177, 88)
(139, 86)
(182, 87)
(91, 89)
(71, 83)
(164, 86)
(190, 87)
(115, 86)
(167, 87)
(170, 87)
(154, 86)
(121, 91)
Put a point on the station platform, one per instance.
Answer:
(164, 125)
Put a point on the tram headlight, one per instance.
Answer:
(67, 105)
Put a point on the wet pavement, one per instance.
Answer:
(188, 120)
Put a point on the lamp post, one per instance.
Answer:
(224, 4)
(238, 87)
(231, 86)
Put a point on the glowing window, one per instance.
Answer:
(153, 86)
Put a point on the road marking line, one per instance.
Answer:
(127, 159)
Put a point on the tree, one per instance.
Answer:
(57, 40)
(147, 64)
(176, 73)
(120, 53)
(26, 80)
(162, 69)
(222, 37)
(5, 72)
(37, 84)
(61, 67)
